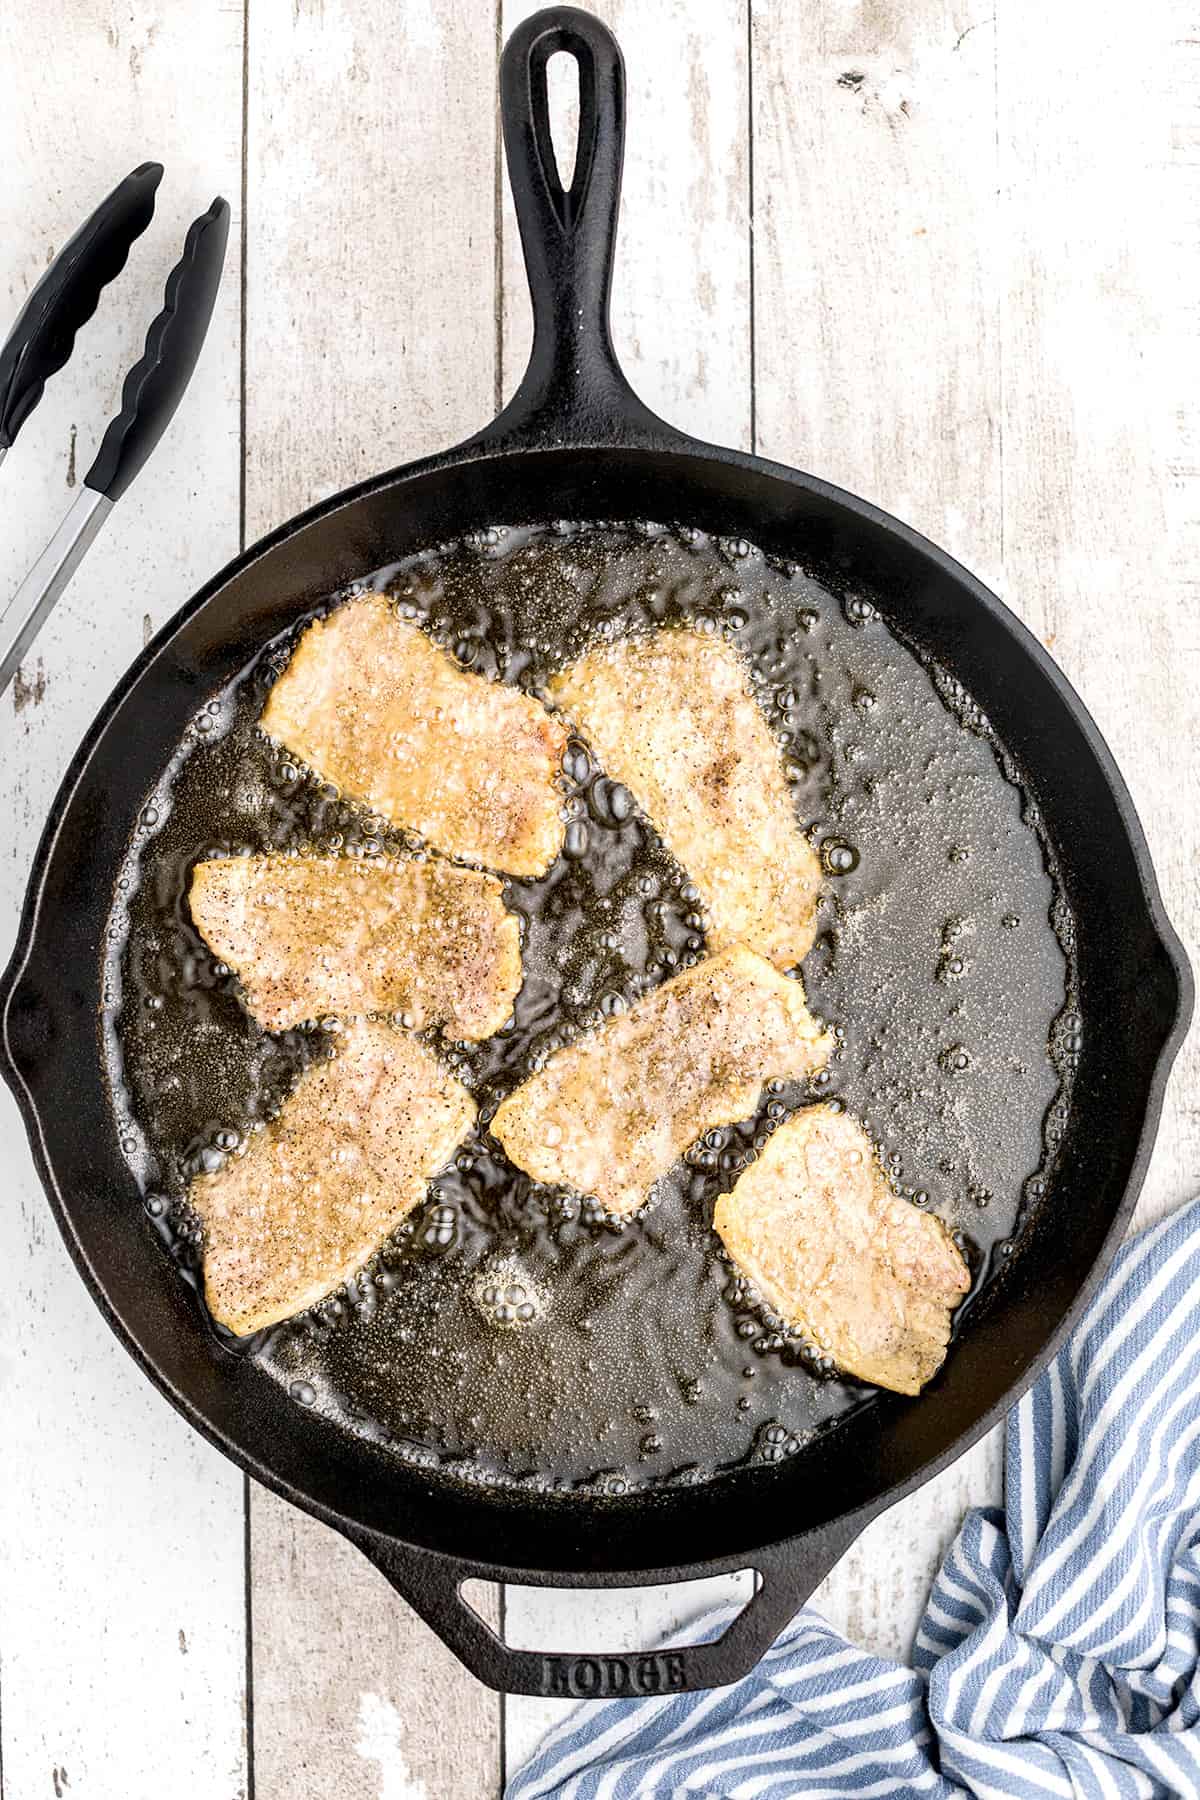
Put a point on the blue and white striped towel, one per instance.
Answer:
(1060, 1650)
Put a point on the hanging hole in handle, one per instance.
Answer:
(614, 1621)
(563, 107)
(562, 100)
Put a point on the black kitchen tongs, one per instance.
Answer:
(41, 342)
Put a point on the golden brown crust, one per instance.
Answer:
(674, 717)
(313, 935)
(869, 1278)
(610, 1114)
(371, 703)
(316, 1192)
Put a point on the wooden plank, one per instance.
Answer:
(876, 317)
(354, 1695)
(370, 285)
(370, 334)
(122, 1651)
(681, 322)
(1101, 194)
(877, 364)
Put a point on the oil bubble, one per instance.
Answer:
(506, 1297)
(576, 764)
(773, 1442)
(620, 802)
(839, 857)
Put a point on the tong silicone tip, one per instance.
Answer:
(67, 295)
(155, 384)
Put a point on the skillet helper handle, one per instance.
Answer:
(156, 383)
(788, 1575)
(573, 389)
(43, 337)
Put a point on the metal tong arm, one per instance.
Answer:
(35, 599)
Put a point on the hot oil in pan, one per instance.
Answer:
(507, 1331)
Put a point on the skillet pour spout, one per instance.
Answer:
(575, 442)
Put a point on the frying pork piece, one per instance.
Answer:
(608, 1115)
(869, 1278)
(320, 1187)
(313, 935)
(673, 716)
(372, 704)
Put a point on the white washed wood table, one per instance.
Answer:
(945, 255)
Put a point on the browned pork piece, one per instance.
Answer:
(312, 935)
(370, 702)
(674, 717)
(868, 1277)
(608, 1115)
(316, 1192)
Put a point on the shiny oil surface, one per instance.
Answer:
(508, 1332)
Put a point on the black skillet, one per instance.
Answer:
(575, 442)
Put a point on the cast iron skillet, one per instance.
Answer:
(575, 442)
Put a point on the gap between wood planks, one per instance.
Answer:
(243, 277)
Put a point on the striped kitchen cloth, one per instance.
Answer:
(1060, 1650)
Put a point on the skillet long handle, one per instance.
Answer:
(573, 390)
(788, 1574)
(568, 235)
